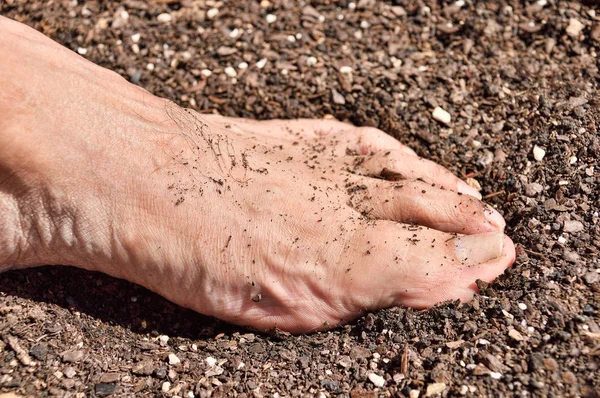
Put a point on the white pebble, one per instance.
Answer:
(346, 69)
(211, 361)
(523, 306)
(561, 240)
(234, 33)
(575, 27)
(136, 38)
(321, 18)
(190, 394)
(164, 18)
(261, 64)
(150, 67)
(166, 386)
(538, 153)
(311, 61)
(573, 160)
(271, 18)
(174, 359)
(82, 51)
(206, 72)
(358, 35)
(230, 71)
(365, 25)
(441, 116)
(164, 338)
(136, 50)
(377, 380)
(213, 12)
(298, 36)
(352, 5)
(291, 38)
(243, 65)
(496, 375)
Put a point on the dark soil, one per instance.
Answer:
(512, 76)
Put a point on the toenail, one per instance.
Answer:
(480, 248)
(465, 188)
(494, 217)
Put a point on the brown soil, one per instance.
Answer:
(511, 76)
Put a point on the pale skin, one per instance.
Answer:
(299, 225)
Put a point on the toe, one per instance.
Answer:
(396, 165)
(368, 140)
(419, 203)
(419, 267)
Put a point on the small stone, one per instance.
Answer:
(311, 61)
(538, 153)
(337, 97)
(589, 278)
(174, 359)
(261, 64)
(522, 306)
(569, 378)
(73, 356)
(143, 368)
(39, 351)
(399, 11)
(346, 69)
(492, 362)
(82, 51)
(550, 364)
(270, 18)
(441, 115)
(435, 388)
(213, 12)
(575, 27)
(515, 335)
(572, 226)
(160, 372)
(496, 375)
(70, 372)
(377, 380)
(365, 25)
(163, 340)
(230, 71)
(105, 388)
(150, 66)
(211, 361)
(414, 393)
(243, 65)
(166, 386)
(164, 18)
(534, 189)
(206, 72)
(571, 256)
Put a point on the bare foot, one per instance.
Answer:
(300, 225)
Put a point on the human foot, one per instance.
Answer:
(299, 225)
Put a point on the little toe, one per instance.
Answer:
(396, 165)
(369, 140)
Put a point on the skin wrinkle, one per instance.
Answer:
(196, 210)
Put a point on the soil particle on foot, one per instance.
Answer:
(513, 77)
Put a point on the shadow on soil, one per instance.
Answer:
(110, 300)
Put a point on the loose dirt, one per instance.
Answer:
(520, 83)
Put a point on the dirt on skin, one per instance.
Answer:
(520, 82)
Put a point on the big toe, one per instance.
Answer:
(419, 267)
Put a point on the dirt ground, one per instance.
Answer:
(520, 80)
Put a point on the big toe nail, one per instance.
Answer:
(480, 248)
